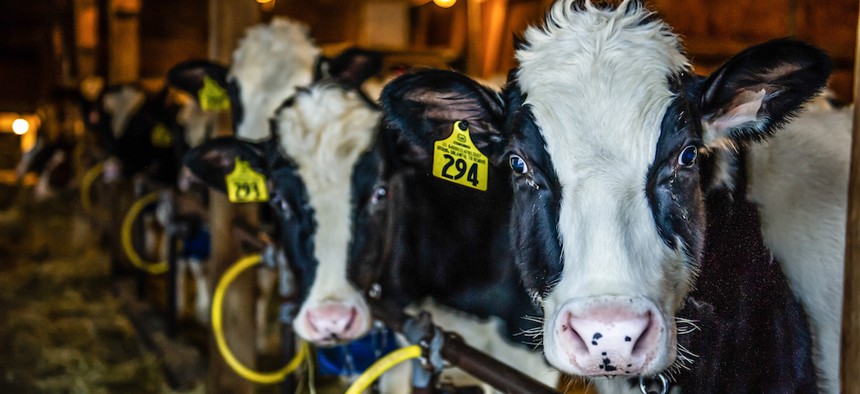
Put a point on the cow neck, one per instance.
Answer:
(753, 334)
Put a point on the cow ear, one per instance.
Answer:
(352, 67)
(422, 108)
(194, 75)
(760, 89)
(215, 159)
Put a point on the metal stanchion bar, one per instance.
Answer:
(175, 235)
(471, 360)
(249, 237)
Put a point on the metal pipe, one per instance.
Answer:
(175, 233)
(471, 360)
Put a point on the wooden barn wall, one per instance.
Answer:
(171, 31)
(330, 21)
(714, 30)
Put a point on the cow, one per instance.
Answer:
(323, 163)
(632, 193)
(629, 175)
(271, 62)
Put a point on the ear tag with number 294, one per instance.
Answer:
(456, 159)
(246, 185)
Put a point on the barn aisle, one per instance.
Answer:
(61, 330)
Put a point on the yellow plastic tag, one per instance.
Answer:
(456, 159)
(213, 97)
(246, 185)
(161, 137)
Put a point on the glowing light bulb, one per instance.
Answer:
(20, 126)
(445, 3)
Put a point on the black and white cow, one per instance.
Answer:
(625, 151)
(144, 133)
(329, 166)
(629, 186)
(318, 135)
(416, 236)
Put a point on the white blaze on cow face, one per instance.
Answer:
(324, 130)
(267, 66)
(121, 105)
(196, 123)
(611, 310)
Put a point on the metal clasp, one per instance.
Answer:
(659, 379)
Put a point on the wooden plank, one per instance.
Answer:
(850, 355)
(495, 35)
(228, 21)
(123, 41)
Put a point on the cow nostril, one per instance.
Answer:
(579, 346)
(642, 344)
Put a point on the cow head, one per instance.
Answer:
(318, 135)
(397, 198)
(267, 66)
(614, 144)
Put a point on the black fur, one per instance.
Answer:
(426, 236)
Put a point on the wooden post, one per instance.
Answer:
(494, 36)
(124, 41)
(850, 368)
(474, 57)
(122, 65)
(228, 21)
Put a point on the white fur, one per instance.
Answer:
(799, 180)
(324, 132)
(121, 105)
(610, 70)
(196, 122)
(268, 65)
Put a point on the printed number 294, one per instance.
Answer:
(460, 167)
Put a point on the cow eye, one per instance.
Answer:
(379, 194)
(688, 156)
(518, 165)
(280, 203)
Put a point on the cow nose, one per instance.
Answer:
(332, 321)
(610, 339)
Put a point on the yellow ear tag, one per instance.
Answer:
(161, 137)
(213, 97)
(246, 185)
(456, 159)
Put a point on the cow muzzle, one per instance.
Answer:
(332, 323)
(610, 336)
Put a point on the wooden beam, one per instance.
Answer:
(228, 21)
(123, 41)
(495, 21)
(849, 376)
(475, 21)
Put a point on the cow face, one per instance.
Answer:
(395, 198)
(318, 136)
(269, 63)
(109, 115)
(614, 144)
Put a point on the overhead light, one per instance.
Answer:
(444, 3)
(20, 126)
